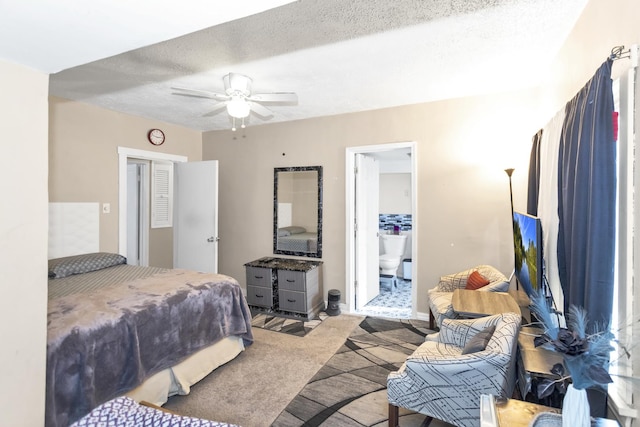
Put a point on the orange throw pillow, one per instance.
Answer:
(476, 281)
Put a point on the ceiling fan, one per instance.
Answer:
(238, 99)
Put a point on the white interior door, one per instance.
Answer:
(195, 239)
(137, 210)
(367, 192)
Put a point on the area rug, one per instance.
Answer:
(297, 327)
(350, 389)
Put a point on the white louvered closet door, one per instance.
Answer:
(162, 195)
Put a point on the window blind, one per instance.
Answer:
(162, 194)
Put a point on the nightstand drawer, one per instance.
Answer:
(291, 280)
(257, 276)
(260, 296)
(292, 301)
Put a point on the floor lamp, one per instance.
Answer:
(509, 173)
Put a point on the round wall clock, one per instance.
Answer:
(155, 136)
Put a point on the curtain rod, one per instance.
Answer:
(632, 53)
(618, 52)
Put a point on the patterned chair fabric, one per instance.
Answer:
(439, 381)
(440, 296)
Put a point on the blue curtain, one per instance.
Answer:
(534, 175)
(587, 199)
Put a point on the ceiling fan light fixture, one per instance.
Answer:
(237, 83)
(238, 99)
(237, 107)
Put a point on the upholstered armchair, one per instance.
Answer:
(440, 296)
(440, 381)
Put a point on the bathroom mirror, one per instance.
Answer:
(297, 211)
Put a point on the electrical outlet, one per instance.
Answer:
(106, 208)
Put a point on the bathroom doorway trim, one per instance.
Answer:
(350, 175)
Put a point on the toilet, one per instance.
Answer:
(393, 250)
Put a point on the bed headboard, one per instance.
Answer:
(74, 228)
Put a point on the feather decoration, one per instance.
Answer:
(577, 321)
(540, 308)
(586, 355)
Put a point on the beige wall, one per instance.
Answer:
(83, 163)
(463, 206)
(603, 25)
(463, 147)
(23, 244)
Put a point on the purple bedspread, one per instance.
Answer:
(125, 412)
(103, 344)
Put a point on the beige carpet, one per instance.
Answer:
(256, 387)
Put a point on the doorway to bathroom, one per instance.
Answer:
(381, 212)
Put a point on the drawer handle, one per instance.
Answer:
(258, 277)
(290, 281)
(291, 300)
(259, 296)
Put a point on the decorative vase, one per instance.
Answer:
(575, 408)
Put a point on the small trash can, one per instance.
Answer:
(406, 269)
(333, 303)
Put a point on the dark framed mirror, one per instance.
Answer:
(297, 211)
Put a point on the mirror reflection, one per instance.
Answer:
(297, 211)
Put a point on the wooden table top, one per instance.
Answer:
(517, 413)
(470, 303)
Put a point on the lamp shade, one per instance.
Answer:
(237, 107)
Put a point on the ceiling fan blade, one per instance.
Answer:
(199, 93)
(216, 109)
(288, 97)
(261, 110)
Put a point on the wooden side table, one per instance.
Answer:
(534, 364)
(473, 304)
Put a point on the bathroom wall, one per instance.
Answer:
(395, 193)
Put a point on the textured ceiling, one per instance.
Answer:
(338, 56)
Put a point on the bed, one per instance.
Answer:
(297, 239)
(143, 332)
